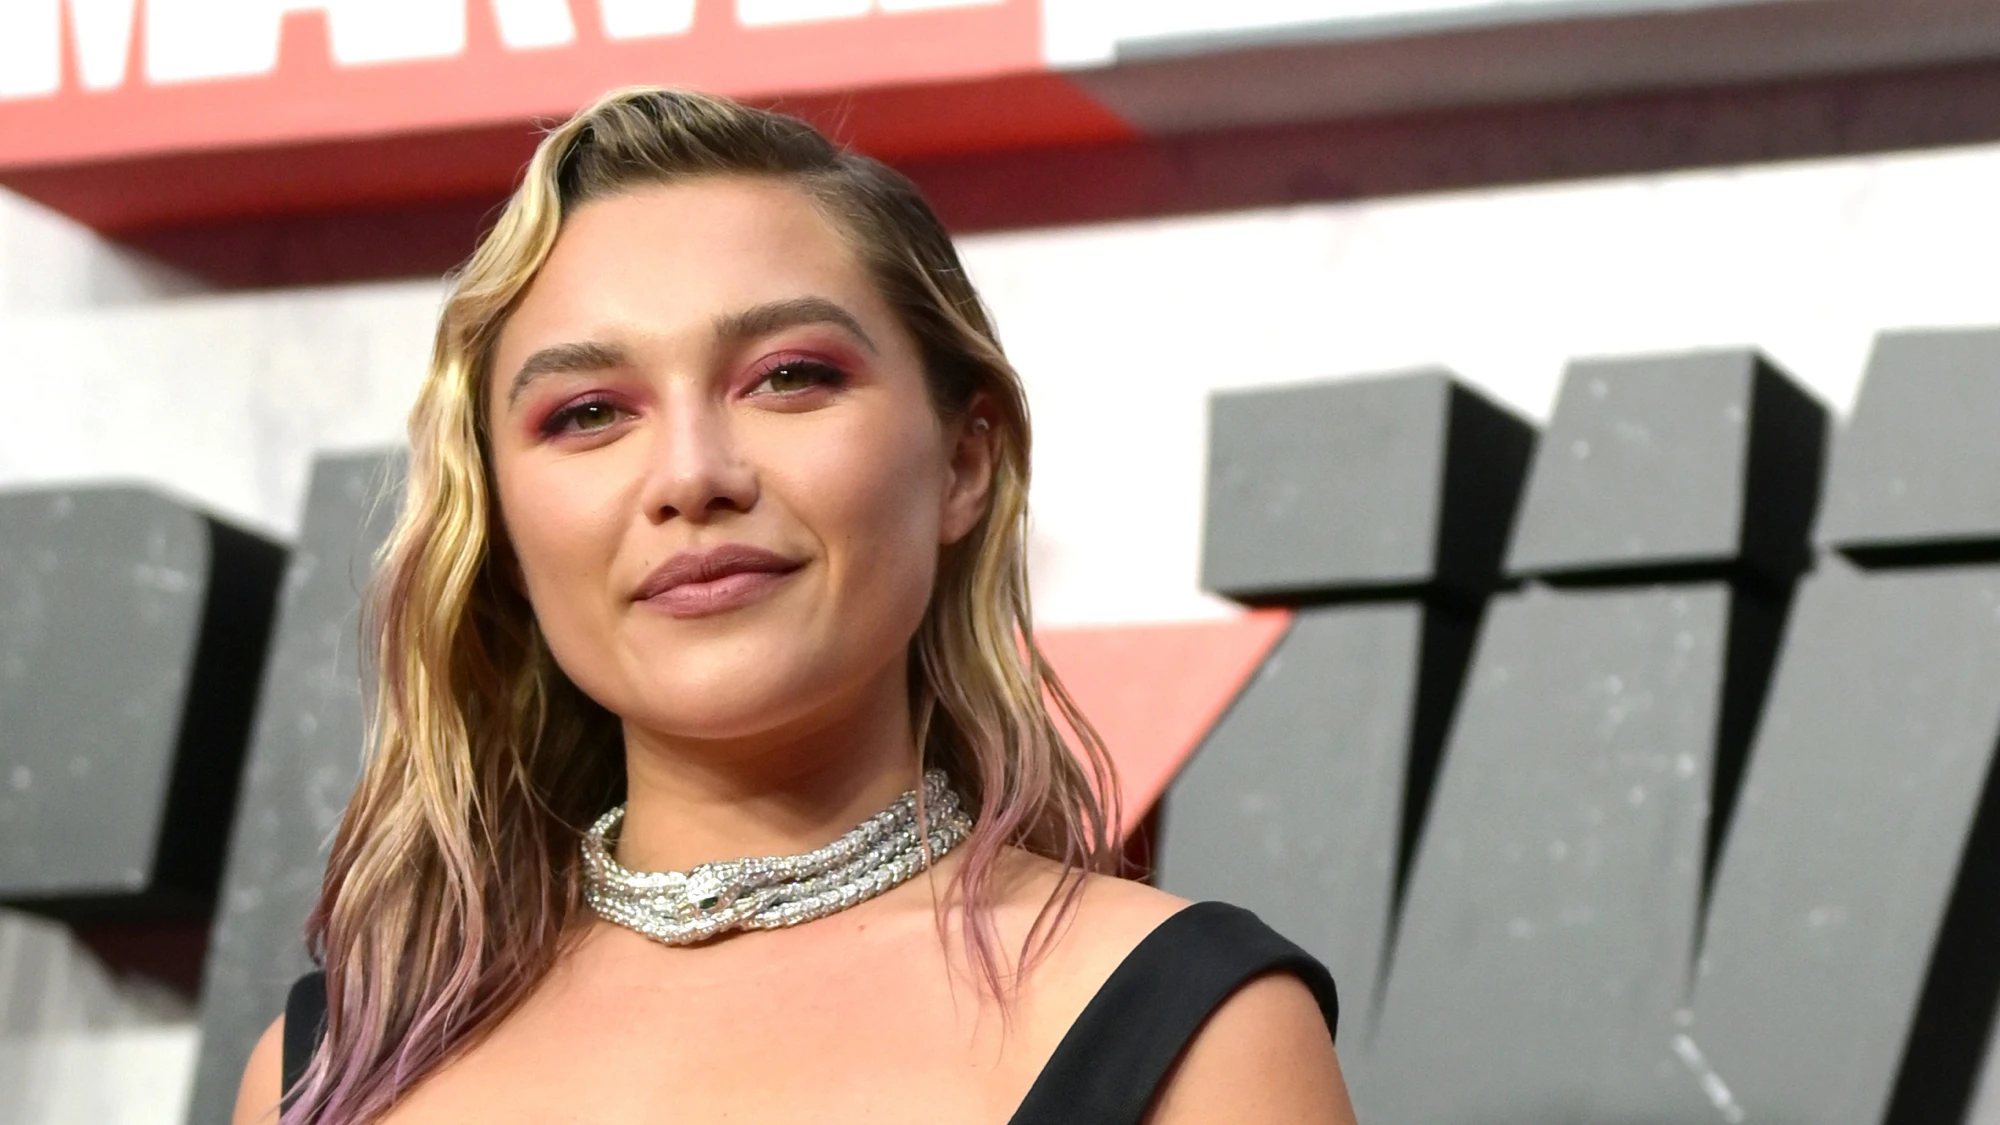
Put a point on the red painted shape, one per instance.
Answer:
(176, 189)
(1154, 691)
(314, 136)
(1002, 112)
(307, 98)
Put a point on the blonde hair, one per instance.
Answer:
(454, 879)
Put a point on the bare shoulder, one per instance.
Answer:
(1121, 912)
(263, 1079)
(1086, 941)
(1061, 934)
(1264, 1055)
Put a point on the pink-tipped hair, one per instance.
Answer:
(453, 885)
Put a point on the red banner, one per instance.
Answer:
(150, 112)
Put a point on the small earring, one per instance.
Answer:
(980, 426)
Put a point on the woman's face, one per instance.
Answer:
(718, 464)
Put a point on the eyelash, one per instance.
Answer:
(559, 421)
(818, 373)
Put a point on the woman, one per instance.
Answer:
(711, 547)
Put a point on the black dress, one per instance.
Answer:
(1109, 1065)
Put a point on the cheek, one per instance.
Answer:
(563, 524)
(872, 498)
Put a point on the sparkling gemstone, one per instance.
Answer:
(704, 891)
(767, 892)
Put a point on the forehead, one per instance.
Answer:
(664, 259)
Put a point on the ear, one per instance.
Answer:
(975, 450)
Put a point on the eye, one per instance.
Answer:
(791, 376)
(587, 416)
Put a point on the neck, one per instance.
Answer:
(692, 801)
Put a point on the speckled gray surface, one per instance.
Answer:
(1709, 459)
(1919, 463)
(1399, 480)
(1293, 804)
(303, 763)
(1861, 793)
(101, 596)
(1549, 911)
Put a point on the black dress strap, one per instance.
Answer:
(1109, 1066)
(305, 1023)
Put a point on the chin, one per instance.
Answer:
(736, 717)
(731, 697)
(737, 679)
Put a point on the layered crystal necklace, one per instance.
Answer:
(684, 907)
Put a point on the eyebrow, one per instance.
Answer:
(736, 327)
(775, 316)
(565, 358)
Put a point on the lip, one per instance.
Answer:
(721, 578)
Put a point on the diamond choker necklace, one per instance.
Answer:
(683, 907)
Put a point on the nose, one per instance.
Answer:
(697, 471)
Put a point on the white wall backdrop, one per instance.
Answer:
(111, 368)
(115, 369)
(1122, 330)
